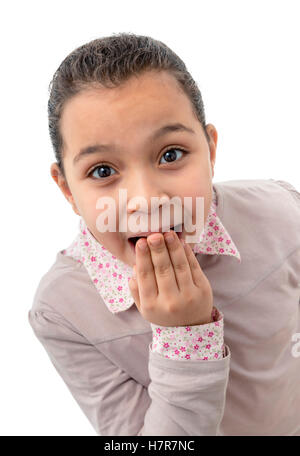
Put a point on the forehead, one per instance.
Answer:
(137, 107)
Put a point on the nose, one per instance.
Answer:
(144, 190)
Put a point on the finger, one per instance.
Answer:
(163, 268)
(196, 271)
(179, 260)
(145, 272)
(134, 290)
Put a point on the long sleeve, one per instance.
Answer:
(184, 397)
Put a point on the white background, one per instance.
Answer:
(244, 56)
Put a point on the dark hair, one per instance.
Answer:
(109, 61)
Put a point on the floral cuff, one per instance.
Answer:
(199, 342)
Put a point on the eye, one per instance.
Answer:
(103, 171)
(171, 154)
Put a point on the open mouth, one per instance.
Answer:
(133, 240)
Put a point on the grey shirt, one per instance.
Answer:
(125, 389)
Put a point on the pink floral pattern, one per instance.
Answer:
(200, 342)
(111, 276)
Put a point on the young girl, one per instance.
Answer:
(147, 355)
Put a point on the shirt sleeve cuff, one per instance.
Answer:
(199, 342)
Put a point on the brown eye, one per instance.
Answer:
(101, 171)
(170, 155)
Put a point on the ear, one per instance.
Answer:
(213, 135)
(63, 185)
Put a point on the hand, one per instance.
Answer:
(170, 288)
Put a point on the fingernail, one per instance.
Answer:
(169, 238)
(142, 245)
(155, 241)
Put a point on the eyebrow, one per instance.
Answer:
(96, 148)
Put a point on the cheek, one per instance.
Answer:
(196, 186)
(199, 187)
(84, 201)
(111, 241)
(103, 219)
(197, 178)
(107, 239)
(88, 201)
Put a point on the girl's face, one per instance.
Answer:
(126, 119)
